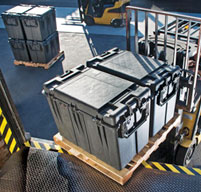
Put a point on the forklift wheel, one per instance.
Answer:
(89, 20)
(116, 22)
(184, 155)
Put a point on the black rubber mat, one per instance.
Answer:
(42, 172)
(50, 171)
(83, 178)
(13, 173)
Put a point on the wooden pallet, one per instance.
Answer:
(60, 56)
(125, 174)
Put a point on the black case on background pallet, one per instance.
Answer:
(105, 115)
(12, 21)
(44, 51)
(162, 79)
(39, 23)
(19, 49)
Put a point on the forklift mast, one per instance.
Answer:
(177, 42)
(191, 33)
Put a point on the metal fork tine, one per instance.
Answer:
(156, 36)
(187, 45)
(165, 36)
(136, 32)
(175, 42)
(128, 35)
(146, 33)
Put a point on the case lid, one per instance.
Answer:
(38, 11)
(94, 88)
(132, 64)
(19, 9)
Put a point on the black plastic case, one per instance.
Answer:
(12, 21)
(39, 23)
(44, 51)
(19, 49)
(162, 79)
(103, 114)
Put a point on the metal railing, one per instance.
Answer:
(174, 35)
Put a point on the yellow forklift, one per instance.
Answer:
(105, 12)
(177, 42)
(188, 39)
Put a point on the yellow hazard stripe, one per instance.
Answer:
(47, 146)
(8, 135)
(58, 148)
(160, 167)
(27, 144)
(172, 168)
(3, 125)
(197, 170)
(43, 145)
(186, 170)
(37, 145)
(146, 165)
(12, 146)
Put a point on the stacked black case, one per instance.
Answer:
(162, 79)
(39, 23)
(105, 115)
(34, 27)
(12, 21)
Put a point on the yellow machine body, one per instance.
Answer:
(113, 11)
(189, 122)
(108, 15)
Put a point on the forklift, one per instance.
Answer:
(104, 12)
(177, 42)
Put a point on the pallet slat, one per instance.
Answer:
(125, 174)
(44, 65)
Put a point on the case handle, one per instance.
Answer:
(102, 57)
(163, 98)
(30, 23)
(130, 124)
(11, 21)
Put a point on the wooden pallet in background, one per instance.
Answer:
(125, 174)
(60, 56)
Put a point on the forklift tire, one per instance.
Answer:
(89, 20)
(116, 23)
(184, 155)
